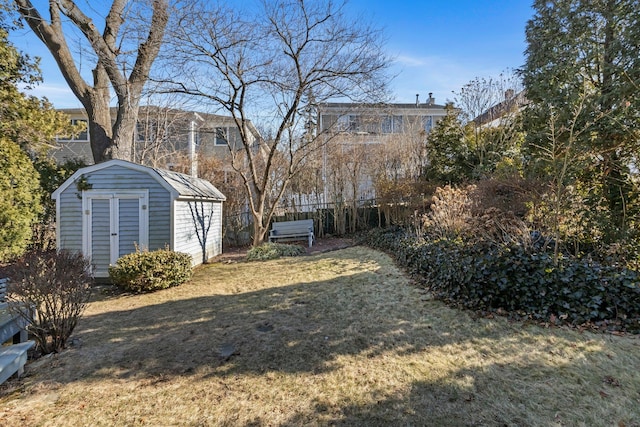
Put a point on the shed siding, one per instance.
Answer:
(214, 246)
(192, 220)
(178, 224)
(100, 235)
(70, 220)
(120, 178)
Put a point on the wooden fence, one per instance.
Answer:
(332, 219)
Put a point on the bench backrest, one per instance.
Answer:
(293, 226)
(3, 290)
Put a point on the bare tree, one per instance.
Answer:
(277, 63)
(396, 169)
(163, 132)
(115, 66)
(490, 109)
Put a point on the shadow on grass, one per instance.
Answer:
(297, 328)
(489, 399)
(307, 328)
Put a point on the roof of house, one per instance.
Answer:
(512, 103)
(381, 106)
(205, 119)
(178, 184)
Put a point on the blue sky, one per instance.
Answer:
(437, 46)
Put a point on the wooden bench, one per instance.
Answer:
(292, 230)
(13, 326)
(13, 358)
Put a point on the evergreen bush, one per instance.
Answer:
(20, 201)
(148, 271)
(269, 250)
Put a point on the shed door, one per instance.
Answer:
(114, 224)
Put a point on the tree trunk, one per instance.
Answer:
(125, 131)
(259, 230)
(107, 140)
(96, 104)
(100, 133)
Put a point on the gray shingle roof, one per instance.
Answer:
(188, 186)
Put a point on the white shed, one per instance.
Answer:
(110, 209)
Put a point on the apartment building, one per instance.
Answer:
(375, 123)
(366, 140)
(164, 136)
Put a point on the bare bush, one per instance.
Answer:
(451, 212)
(55, 286)
(501, 227)
(458, 212)
(512, 194)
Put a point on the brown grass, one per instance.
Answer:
(341, 338)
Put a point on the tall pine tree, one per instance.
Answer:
(582, 72)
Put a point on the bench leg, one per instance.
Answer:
(20, 337)
(310, 241)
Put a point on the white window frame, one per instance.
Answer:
(427, 122)
(347, 123)
(77, 138)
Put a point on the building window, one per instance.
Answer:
(347, 123)
(141, 132)
(392, 124)
(428, 123)
(222, 136)
(82, 136)
(151, 132)
(387, 124)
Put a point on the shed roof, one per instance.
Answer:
(179, 184)
(189, 186)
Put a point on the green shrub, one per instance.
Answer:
(57, 286)
(20, 201)
(150, 271)
(518, 279)
(269, 250)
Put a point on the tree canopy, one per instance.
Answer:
(28, 126)
(582, 72)
(20, 201)
(279, 60)
(26, 120)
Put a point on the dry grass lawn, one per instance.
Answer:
(341, 338)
